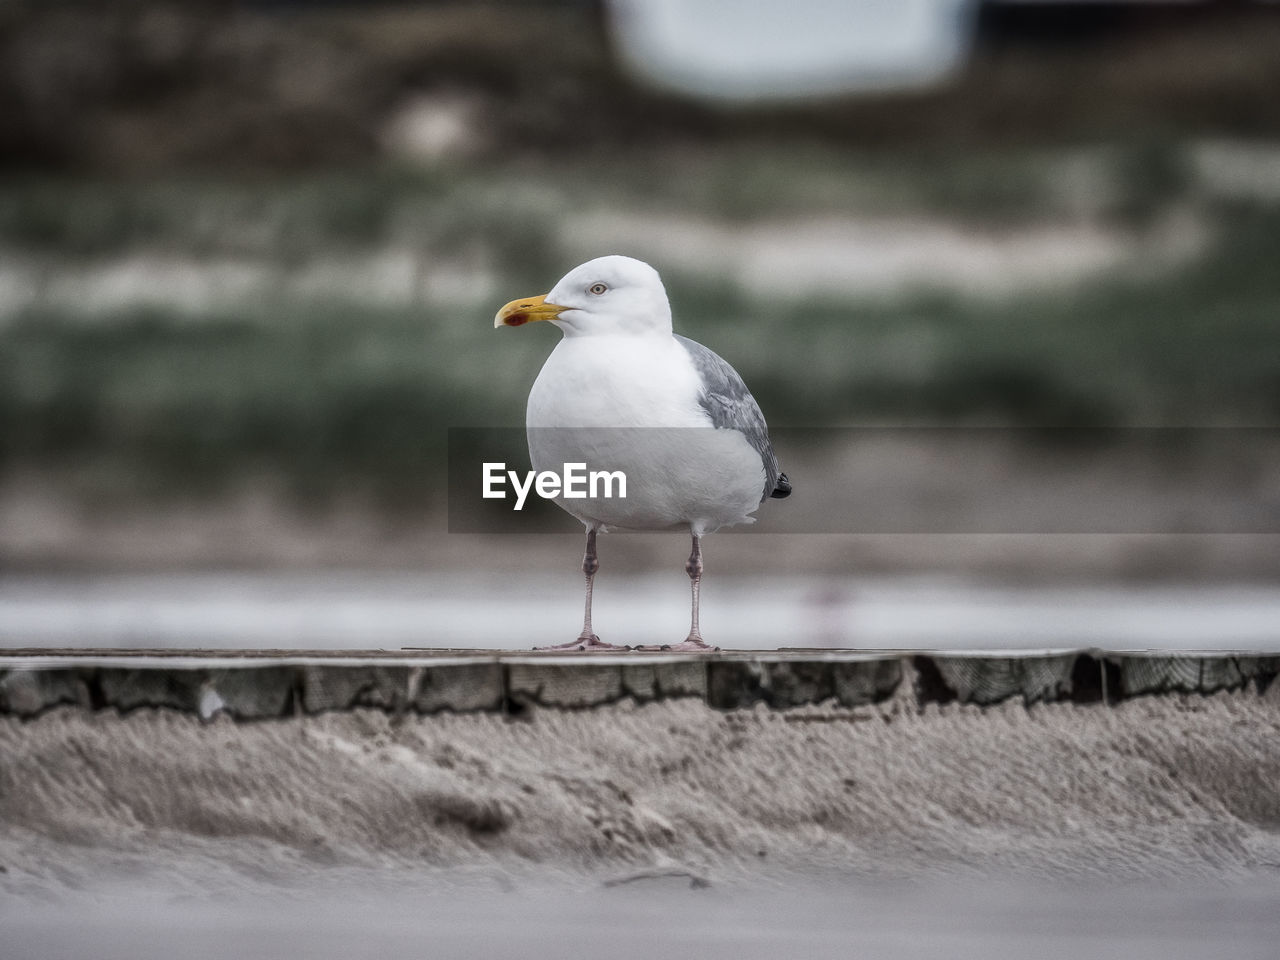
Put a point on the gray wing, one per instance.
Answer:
(731, 406)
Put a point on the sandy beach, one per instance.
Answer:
(815, 827)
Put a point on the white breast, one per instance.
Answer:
(616, 381)
(631, 403)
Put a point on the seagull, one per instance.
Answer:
(624, 392)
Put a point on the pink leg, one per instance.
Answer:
(694, 642)
(587, 640)
(694, 569)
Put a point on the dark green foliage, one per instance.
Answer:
(336, 396)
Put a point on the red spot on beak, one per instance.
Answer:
(516, 319)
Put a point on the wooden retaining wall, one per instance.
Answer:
(252, 685)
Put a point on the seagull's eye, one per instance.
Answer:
(597, 289)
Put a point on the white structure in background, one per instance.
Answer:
(748, 50)
(765, 49)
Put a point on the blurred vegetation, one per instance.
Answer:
(340, 393)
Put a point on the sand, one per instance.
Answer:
(1009, 828)
(1158, 787)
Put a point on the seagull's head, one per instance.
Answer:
(608, 295)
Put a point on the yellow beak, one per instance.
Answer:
(519, 312)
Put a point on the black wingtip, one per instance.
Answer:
(783, 489)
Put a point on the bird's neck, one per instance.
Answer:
(629, 332)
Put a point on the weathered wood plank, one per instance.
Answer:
(254, 687)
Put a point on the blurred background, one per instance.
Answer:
(250, 253)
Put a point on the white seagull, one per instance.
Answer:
(622, 392)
